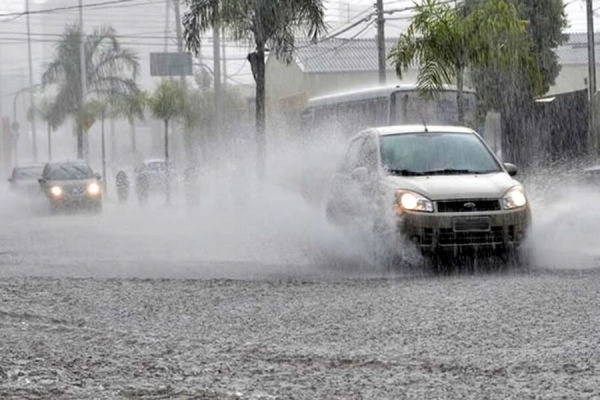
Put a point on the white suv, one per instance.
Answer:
(443, 186)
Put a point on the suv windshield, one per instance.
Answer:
(436, 154)
(64, 172)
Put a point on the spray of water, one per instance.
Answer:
(243, 226)
(566, 219)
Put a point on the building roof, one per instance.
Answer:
(575, 51)
(340, 55)
(358, 55)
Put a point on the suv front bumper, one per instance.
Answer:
(443, 231)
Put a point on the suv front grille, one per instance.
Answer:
(449, 237)
(455, 206)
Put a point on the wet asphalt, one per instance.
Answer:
(111, 306)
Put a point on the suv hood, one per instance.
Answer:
(71, 182)
(448, 187)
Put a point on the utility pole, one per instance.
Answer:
(381, 41)
(82, 71)
(167, 24)
(179, 39)
(31, 88)
(592, 76)
(224, 48)
(1, 87)
(217, 68)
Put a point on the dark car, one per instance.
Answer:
(24, 179)
(71, 185)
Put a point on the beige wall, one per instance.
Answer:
(328, 83)
(571, 78)
(284, 81)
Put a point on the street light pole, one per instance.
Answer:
(381, 41)
(591, 76)
(83, 77)
(31, 97)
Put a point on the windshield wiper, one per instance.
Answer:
(451, 171)
(404, 172)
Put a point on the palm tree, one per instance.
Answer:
(444, 42)
(110, 69)
(46, 113)
(168, 102)
(270, 24)
(132, 109)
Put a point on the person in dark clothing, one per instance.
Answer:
(122, 187)
(192, 190)
(142, 187)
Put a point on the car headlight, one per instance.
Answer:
(514, 198)
(93, 189)
(56, 191)
(411, 201)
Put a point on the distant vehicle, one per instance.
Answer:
(71, 185)
(442, 186)
(155, 172)
(24, 179)
(353, 111)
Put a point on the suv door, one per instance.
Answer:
(343, 189)
(352, 189)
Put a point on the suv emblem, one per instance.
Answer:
(469, 205)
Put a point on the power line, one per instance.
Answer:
(346, 41)
(145, 35)
(368, 18)
(65, 8)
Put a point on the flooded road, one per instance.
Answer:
(531, 336)
(172, 303)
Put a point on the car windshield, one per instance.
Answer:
(156, 166)
(27, 173)
(436, 154)
(63, 172)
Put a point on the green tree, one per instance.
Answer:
(52, 122)
(110, 70)
(166, 103)
(44, 110)
(546, 22)
(270, 24)
(131, 108)
(446, 43)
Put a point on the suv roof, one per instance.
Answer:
(403, 129)
(69, 162)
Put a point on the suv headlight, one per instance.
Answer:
(93, 189)
(411, 201)
(514, 198)
(56, 191)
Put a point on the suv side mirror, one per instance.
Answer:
(98, 177)
(11, 180)
(360, 174)
(42, 181)
(511, 169)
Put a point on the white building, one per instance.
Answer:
(573, 59)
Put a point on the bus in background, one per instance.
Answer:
(350, 112)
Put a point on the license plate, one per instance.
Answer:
(472, 224)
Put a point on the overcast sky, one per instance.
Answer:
(340, 14)
(351, 8)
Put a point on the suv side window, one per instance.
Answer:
(46, 171)
(368, 154)
(352, 159)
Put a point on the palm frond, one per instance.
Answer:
(200, 17)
